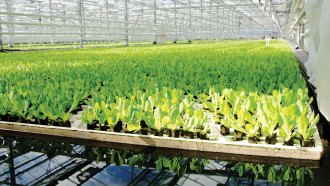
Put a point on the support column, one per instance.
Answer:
(1, 47)
(142, 22)
(217, 24)
(9, 26)
(201, 29)
(11, 163)
(51, 22)
(232, 25)
(190, 29)
(210, 21)
(81, 22)
(175, 23)
(227, 24)
(126, 22)
(155, 21)
(300, 34)
(223, 23)
(239, 25)
(236, 24)
(108, 23)
(142, 12)
(250, 27)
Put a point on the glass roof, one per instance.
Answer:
(24, 21)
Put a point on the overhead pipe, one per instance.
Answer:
(301, 15)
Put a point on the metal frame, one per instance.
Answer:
(51, 21)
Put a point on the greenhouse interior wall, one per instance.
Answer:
(61, 25)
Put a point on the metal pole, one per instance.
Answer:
(80, 14)
(142, 20)
(227, 24)
(201, 34)
(155, 21)
(142, 11)
(11, 163)
(232, 24)
(108, 23)
(236, 25)
(223, 23)
(1, 47)
(38, 28)
(9, 26)
(51, 22)
(217, 23)
(126, 22)
(64, 15)
(239, 25)
(175, 23)
(190, 29)
(210, 20)
(250, 27)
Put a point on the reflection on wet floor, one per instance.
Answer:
(32, 162)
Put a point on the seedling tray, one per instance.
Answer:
(221, 145)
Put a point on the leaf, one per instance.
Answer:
(118, 159)
(240, 171)
(173, 164)
(311, 132)
(110, 121)
(133, 126)
(159, 164)
(271, 175)
(174, 114)
(248, 127)
(134, 160)
(166, 120)
(302, 126)
(166, 162)
(316, 120)
(286, 175)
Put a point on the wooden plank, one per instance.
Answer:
(165, 151)
(220, 146)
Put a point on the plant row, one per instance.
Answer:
(284, 115)
(164, 111)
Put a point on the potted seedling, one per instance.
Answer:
(95, 112)
(216, 106)
(174, 124)
(268, 114)
(204, 132)
(189, 128)
(225, 122)
(131, 116)
(251, 128)
(237, 122)
(113, 119)
(89, 118)
(225, 125)
(194, 123)
(202, 122)
(306, 128)
(102, 116)
(186, 106)
(287, 122)
(252, 131)
(157, 122)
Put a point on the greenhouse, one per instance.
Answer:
(164, 92)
